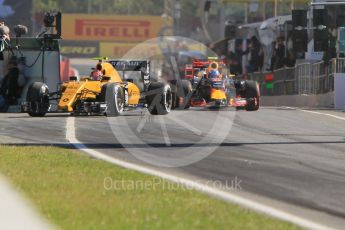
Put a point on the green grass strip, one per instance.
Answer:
(70, 190)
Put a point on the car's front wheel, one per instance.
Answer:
(115, 99)
(252, 95)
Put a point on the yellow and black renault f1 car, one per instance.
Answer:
(212, 87)
(106, 92)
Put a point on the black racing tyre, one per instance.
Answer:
(182, 89)
(114, 98)
(174, 93)
(159, 98)
(175, 101)
(38, 97)
(252, 94)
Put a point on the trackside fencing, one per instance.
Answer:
(305, 78)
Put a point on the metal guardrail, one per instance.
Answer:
(339, 65)
(304, 78)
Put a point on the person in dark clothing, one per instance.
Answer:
(10, 90)
(274, 55)
(279, 61)
(331, 51)
(291, 59)
(235, 65)
(256, 55)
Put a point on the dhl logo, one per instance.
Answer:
(112, 28)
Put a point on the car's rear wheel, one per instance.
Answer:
(159, 98)
(252, 94)
(38, 99)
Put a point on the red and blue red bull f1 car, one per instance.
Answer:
(209, 85)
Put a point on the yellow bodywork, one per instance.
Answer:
(87, 89)
(133, 94)
(217, 94)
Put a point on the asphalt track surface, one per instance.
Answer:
(285, 158)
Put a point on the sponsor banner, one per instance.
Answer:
(84, 27)
(118, 50)
(148, 49)
(80, 49)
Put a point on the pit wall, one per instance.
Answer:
(309, 101)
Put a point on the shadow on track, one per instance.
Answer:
(162, 145)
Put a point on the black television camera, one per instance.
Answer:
(52, 21)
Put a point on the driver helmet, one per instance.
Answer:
(96, 74)
(214, 73)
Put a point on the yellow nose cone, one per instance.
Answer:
(217, 94)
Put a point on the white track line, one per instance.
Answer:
(165, 131)
(250, 204)
(324, 114)
(319, 113)
(16, 212)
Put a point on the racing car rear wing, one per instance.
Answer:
(134, 66)
(199, 63)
